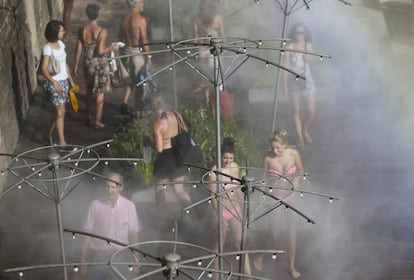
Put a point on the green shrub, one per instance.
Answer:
(130, 141)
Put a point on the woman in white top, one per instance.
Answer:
(56, 85)
(300, 90)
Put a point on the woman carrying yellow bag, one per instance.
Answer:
(57, 85)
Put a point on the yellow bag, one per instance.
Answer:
(73, 99)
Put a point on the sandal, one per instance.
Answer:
(67, 148)
(99, 125)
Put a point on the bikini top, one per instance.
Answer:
(282, 195)
(291, 170)
(228, 185)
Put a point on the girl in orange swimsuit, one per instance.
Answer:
(231, 201)
(282, 160)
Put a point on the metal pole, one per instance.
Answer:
(246, 188)
(215, 51)
(279, 76)
(54, 159)
(174, 74)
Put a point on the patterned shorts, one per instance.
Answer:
(57, 99)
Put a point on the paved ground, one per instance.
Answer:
(366, 235)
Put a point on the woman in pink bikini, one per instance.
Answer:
(282, 160)
(231, 201)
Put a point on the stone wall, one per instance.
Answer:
(21, 31)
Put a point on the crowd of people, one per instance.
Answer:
(116, 217)
(92, 56)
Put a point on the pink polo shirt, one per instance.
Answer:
(111, 222)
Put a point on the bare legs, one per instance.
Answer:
(265, 241)
(127, 94)
(124, 105)
(297, 120)
(58, 122)
(99, 110)
(180, 192)
(236, 229)
(263, 238)
(292, 248)
(99, 104)
(310, 106)
(160, 195)
(302, 129)
(178, 188)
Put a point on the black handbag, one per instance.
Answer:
(185, 146)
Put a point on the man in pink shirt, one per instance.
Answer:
(113, 217)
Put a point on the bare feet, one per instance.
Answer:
(294, 273)
(258, 263)
(300, 144)
(307, 136)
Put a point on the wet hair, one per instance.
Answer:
(293, 30)
(279, 136)
(207, 11)
(228, 146)
(52, 30)
(92, 11)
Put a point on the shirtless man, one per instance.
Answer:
(133, 32)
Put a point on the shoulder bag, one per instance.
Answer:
(54, 66)
(120, 76)
(186, 148)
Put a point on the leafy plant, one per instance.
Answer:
(202, 125)
(130, 141)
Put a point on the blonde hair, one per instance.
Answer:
(279, 136)
(158, 102)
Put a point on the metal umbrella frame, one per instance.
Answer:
(170, 265)
(254, 204)
(237, 50)
(288, 7)
(55, 172)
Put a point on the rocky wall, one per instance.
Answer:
(21, 30)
